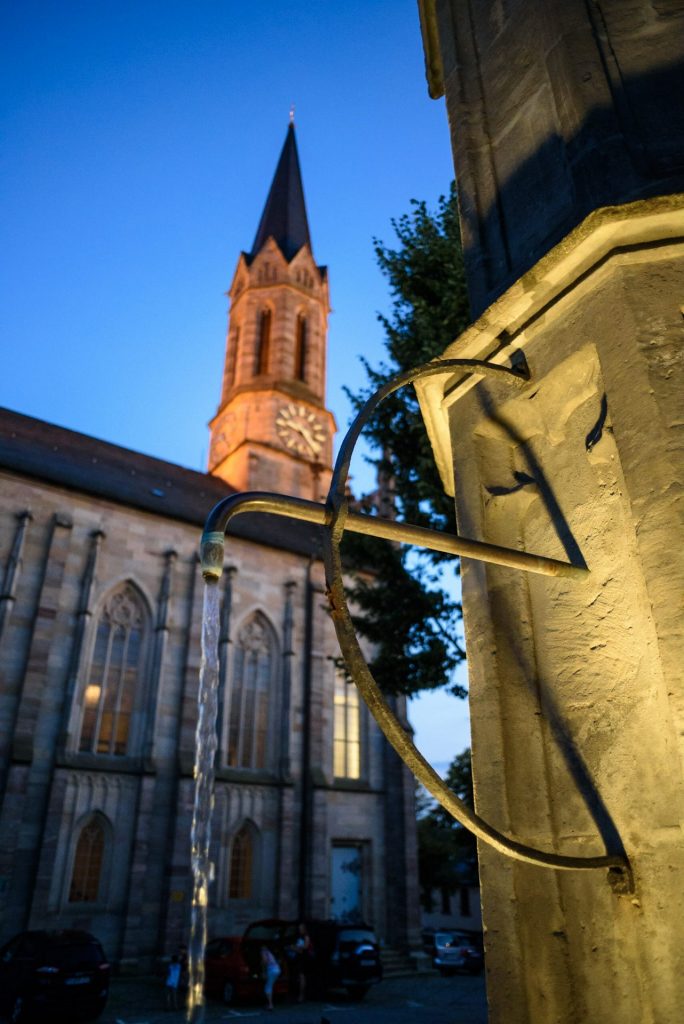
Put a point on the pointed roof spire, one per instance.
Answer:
(284, 215)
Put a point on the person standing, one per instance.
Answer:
(184, 981)
(173, 974)
(303, 958)
(271, 970)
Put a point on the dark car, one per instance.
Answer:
(453, 951)
(344, 955)
(233, 970)
(63, 973)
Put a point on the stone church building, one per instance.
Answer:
(100, 606)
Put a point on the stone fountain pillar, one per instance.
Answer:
(568, 132)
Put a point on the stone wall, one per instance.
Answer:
(576, 688)
(556, 107)
(74, 549)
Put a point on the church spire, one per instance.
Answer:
(284, 217)
(272, 430)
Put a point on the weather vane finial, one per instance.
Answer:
(292, 106)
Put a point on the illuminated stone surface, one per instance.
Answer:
(577, 698)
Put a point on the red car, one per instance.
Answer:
(233, 970)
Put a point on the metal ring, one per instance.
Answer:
(337, 505)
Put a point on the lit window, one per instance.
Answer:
(85, 877)
(251, 691)
(346, 729)
(112, 681)
(241, 863)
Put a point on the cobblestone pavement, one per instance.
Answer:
(421, 999)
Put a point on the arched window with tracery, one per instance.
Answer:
(86, 874)
(241, 865)
(114, 674)
(263, 351)
(301, 341)
(251, 698)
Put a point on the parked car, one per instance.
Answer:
(453, 951)
(344, 955)
(233, 969)
(53, 972)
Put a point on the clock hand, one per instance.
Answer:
(308, 436)
(303, 432)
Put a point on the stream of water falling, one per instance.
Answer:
(200, 835)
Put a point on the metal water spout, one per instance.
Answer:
(336, 517)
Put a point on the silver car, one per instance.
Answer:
(454, 951)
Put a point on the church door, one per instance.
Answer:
(345, 901)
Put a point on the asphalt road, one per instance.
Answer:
(422, 999)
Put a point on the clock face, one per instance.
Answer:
(300, 430)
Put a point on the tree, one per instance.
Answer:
(447, 852)
(409, 619)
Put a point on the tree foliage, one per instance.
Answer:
(447, 852)
(429, 309)
(412, 622)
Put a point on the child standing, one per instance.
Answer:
(173, 974)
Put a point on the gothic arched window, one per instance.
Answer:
(251, 696)
(263, 350)
(88, 861)
(113, 677)
(346, 729)
(241, 865)
(301, 340)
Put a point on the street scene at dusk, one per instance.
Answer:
(340, 487)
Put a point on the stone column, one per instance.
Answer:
(556, 108)
(569, 152)
(155, 792)
(12, 570)
(34, 732)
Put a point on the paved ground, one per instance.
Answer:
(424, 999)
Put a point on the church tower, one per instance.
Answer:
(272, 431)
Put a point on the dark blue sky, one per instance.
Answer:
(139, 141)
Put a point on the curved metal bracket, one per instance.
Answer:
(337, 518)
